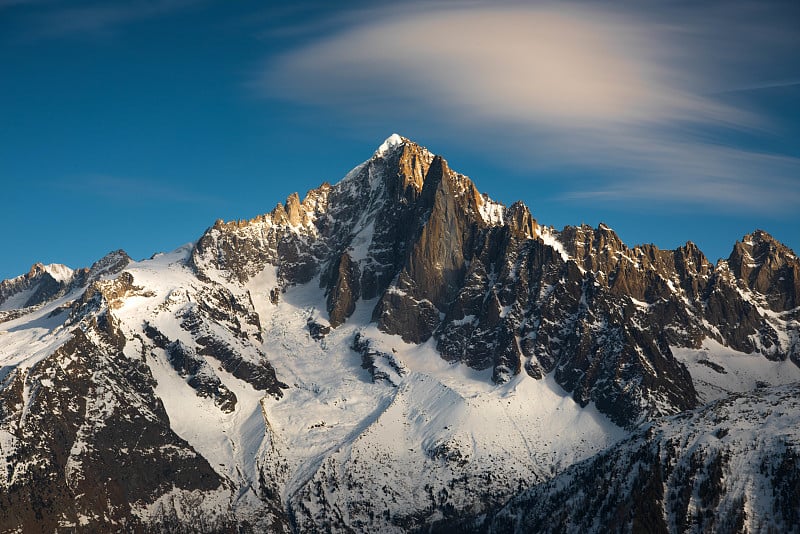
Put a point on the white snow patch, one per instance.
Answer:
(359, 246)
(189, 507)
(61, 273)
(718, 370)
(17, 300)
(32, 337)
(491, 212)
(391, 142)
(550, 237)
(260, 287)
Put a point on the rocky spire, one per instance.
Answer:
(496, 290)
(768, 267)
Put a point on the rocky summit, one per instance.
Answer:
(397, 352)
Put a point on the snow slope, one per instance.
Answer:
(418, 434)
(718, 371)
(731, 466)
(207, 388)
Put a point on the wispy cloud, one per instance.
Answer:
(125, 190)
(511, 63)
(780, 84)
(62, 19)
(590, 85)
(718, 177)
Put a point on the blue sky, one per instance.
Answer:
(136, 124)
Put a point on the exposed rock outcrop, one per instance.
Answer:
(284, 373)
(496, 290)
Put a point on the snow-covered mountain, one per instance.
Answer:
(395, 352)
(731, 466)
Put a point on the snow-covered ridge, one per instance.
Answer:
(377, 357)
(35, 286)
(550, 237)
(728, 467)
(391, 142)
(491, 212)
(61, 273)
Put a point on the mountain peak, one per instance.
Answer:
(387, 302)
(390, 144)
(59, 272)
(759, 245)
(769, 267)
(758, 236)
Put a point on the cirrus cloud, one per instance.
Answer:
(581, 84)
(563, 66)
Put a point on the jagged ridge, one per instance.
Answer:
(496, 290)
(295, 362)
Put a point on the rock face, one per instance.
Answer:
(497, 291)
(391, 352)
(85, 396)
(40, 285)
(345, 291)
(85, 438)
(768, 269)
(45, 283)
(80, 427)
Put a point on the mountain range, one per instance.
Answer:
(398, 352)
